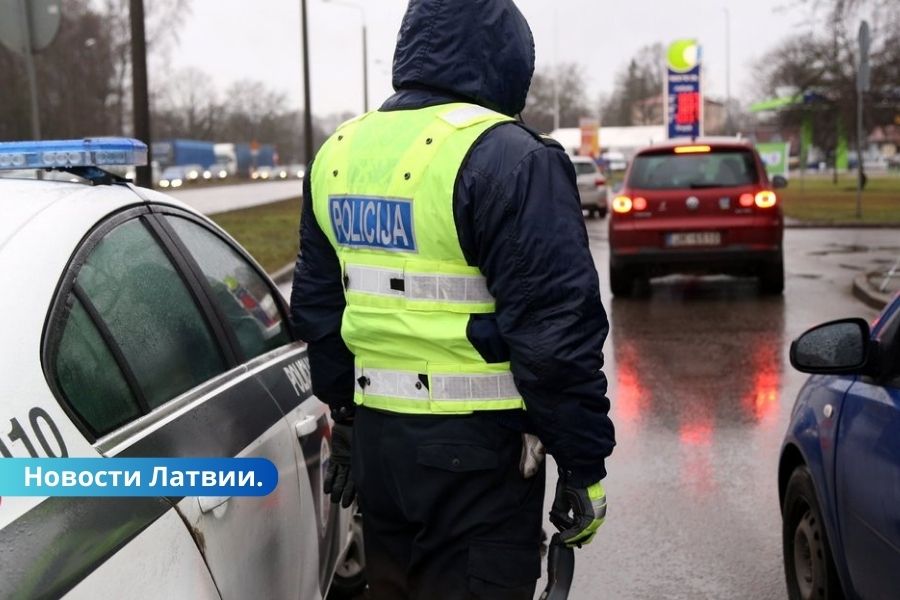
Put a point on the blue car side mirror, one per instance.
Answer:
(841, 347)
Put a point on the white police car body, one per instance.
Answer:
(134, 327)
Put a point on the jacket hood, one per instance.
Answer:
(481, 50)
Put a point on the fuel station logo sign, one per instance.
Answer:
(684, 99)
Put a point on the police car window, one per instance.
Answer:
(243, 296)
(88, 375)
(150, 314)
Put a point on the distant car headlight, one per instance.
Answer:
(177, 183)
(193, 174)
(163, 183)
(207, 174)
(223, 174)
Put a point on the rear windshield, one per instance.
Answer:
(719, 168)
(585, 168)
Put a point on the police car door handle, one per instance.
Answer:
(210, 503)
(306, 426)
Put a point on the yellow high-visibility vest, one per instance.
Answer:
(382, 191)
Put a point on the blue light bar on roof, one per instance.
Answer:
(59, 154)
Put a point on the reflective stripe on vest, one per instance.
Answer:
(436, 392)
(464, 289)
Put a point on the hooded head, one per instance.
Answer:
(481, 50)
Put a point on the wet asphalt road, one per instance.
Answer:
(702, 390)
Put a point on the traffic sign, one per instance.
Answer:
(42, 16)
(864, 72)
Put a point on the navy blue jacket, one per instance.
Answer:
(518, 218)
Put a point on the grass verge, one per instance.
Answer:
(820, 200)
(269, 232)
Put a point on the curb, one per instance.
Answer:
(868, 295)
(283, 275)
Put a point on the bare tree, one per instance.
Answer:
(821, 68)
(73, 76)
(188, 107)
(635, 99)
(569, 81)
(164, 20)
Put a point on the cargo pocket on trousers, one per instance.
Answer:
(458, 458)
(503, 571)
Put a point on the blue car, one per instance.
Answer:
(839, 473)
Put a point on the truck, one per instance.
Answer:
(240, 159)
(178, 152)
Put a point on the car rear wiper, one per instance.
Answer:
(700, 186)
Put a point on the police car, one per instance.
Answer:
(132, 326)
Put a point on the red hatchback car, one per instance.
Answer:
(697, 206)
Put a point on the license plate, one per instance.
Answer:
(694, 238)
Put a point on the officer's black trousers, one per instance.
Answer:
(446, 513)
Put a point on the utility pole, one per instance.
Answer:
(365, 44)
(140, 94)
(555, 69)
(365, 47)
(863, 76)
(307, 104)
(28, 55)
(729, 126)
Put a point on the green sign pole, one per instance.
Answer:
(806, 137)
(842, 150)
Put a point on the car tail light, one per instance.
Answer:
(765, 199)
(639, 204)
(600, 181)
(622, 204)
(747, 200)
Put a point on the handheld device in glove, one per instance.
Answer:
(578, 512)
(338, 478)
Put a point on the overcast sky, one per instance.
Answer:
(239, 39)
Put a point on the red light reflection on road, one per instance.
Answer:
(631, 396)
(697, 474)
(761, 402)
(696, 433)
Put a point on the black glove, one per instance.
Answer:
(338, 479)
(588, 511)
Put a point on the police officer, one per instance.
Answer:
(448, 295)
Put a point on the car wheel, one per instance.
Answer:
(808, 564)
(621, 281)
(771, 278)
(350, 574)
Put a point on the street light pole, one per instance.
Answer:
(728, 124)
(365, 45)
(28, 55)
(555, 69)
(365, 49)
(307, 105)
(140, 95)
